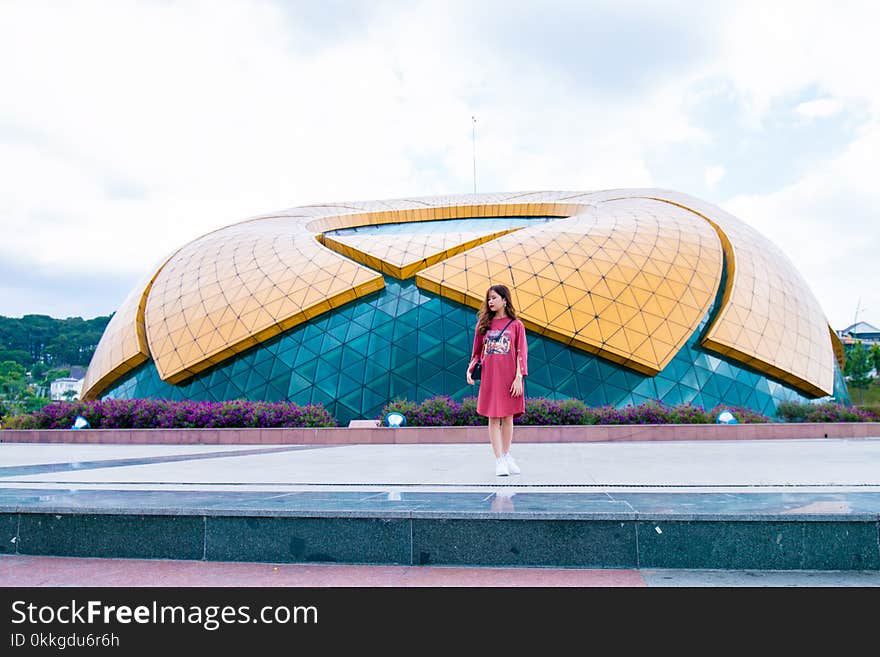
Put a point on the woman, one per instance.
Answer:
(500, 345)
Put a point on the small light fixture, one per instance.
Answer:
(726, 417)
(80, 423)
(395, 419)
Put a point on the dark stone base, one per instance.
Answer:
(772, 544)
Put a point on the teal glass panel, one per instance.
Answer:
(662, 388)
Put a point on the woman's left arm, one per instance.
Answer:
(522, 350)
(522, 353)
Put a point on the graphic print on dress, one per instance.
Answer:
(496, 344)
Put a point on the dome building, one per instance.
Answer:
(627, 295)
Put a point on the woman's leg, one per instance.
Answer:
(506, 433)
(495, 435)
(506, 440)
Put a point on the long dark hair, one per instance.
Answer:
(484, 317)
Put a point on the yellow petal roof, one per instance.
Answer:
(627, 280)
(769, 318)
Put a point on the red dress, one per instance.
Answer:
(499, 354)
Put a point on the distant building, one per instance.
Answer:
(862, 332)
(59, 388)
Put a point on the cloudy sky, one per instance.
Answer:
(129, 128)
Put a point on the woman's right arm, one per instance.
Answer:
(477, 348)
(475, 353)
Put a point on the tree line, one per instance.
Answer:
(35, 341)
(37, 349)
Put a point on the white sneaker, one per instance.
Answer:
(512, 467)
(501, 467)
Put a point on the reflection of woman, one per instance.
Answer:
(503, 501)
(500, 342)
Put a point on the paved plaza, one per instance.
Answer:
(771, 481)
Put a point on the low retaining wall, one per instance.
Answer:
(359, 435)
(793, 543)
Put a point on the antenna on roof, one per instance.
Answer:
(474, 144)
(858, 308)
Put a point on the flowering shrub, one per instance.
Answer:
(828, 412)
(16, 422)
(442, 411)
(648, 413)
(445, 411)
(790, 411)
(690, 414)
(743, 415)
(542, 411)
(164, 414)
(871, 408)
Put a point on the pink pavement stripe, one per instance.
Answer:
(442, 435)
(27, 571)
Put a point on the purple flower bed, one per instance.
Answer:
(828, 412)
(442, 411)
(163, 414)
(445, 411)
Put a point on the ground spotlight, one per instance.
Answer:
(395, 419)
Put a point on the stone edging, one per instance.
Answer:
(360, 435)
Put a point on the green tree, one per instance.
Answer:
(858, 369)
(13, 381)
(38, 371)
(14, 391)
(20, 356)
(875, 358)
(30, 402)
(49, 375)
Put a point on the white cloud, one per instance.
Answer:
(714, 174)
(772, 50)
(827, 225)
(819, 108)
(826, 221)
